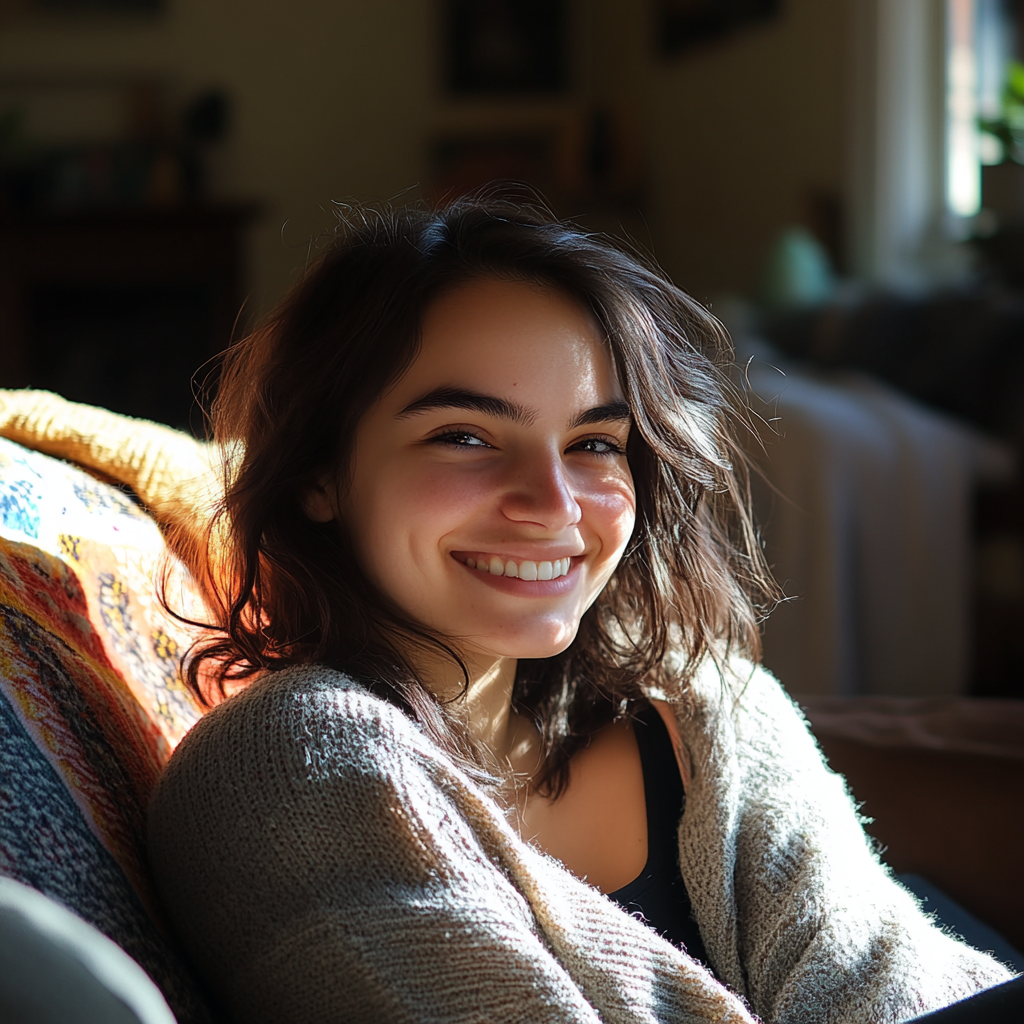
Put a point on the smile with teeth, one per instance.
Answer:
(523, 570)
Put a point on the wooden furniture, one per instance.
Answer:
(943, 780)
(119, 306)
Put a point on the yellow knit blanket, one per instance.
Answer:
(171, 472)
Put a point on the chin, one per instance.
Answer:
(540, 644)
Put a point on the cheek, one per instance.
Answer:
(442, 494)
(611, 508)
(402, 518)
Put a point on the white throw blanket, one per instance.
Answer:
(323, 861)
(869, 532)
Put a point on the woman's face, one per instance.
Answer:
(490, 496)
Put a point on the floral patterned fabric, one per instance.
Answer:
(91, 701)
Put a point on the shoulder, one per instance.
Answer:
(759, 710)
(307, 690)
(305, 748)
(305, 770)
(740, 704)
(753, 746)
(304, 714)
(308, 830)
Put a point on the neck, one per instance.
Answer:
(486, 706)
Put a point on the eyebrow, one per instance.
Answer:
(502, 408)
(460, 398)
(611, 412)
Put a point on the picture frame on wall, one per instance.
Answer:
(505, 47)
(684, 24)
(463, 161)
(586, 156)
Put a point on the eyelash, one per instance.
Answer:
(613, 447)
(450, 439)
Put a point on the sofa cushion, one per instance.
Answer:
(942, 779)
(91, 702)
(56, 969)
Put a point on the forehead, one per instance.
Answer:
(514, 335)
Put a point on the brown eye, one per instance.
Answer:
(599, 446)
(458, 439)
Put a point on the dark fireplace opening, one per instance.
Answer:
(134, 350)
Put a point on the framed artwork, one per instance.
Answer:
(682, 24)
(505, 47)
(584, 157)
(467, 161)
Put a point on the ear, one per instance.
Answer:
(318, 504)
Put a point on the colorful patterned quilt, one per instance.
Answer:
(91, 701)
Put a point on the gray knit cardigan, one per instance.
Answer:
(323, 861)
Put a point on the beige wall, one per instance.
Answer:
(331, 98)
(338, 99)
(737, 135)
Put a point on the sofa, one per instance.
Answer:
(92, 704)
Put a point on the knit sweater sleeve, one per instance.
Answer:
(322, 861)
(795, 908)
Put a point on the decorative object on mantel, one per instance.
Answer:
(586, 155)
(68, 143)
(682, 24)
(505, 47)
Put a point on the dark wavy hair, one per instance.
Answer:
(285, 590)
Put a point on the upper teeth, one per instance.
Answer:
(526, 570)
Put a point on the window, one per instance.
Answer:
(979, 49)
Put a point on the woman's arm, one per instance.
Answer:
(322, 861)
(795, 909)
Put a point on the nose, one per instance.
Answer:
(540, 491)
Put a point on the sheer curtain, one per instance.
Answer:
(900, 233)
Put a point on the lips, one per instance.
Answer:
(523, 569)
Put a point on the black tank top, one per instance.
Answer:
(658, 895)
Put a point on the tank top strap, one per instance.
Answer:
(658, 894)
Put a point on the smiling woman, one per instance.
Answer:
(515, 486)
(484, 574)
(484, 385)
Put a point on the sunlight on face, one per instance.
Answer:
(490, 496)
